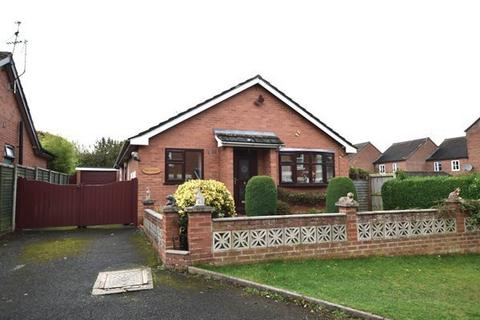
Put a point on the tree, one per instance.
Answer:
(103, 154)
(65, 153)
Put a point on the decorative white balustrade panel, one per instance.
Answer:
(276, 237)
(405, 228)
(470, 225)
(153, 230)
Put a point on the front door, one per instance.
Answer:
(245, 167)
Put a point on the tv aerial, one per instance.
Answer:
(15, 42)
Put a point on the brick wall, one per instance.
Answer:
(447, 166)
(365, 157)
(238, 112)
(343, 235)
(10, 118)
(417, 161)
(473, 146)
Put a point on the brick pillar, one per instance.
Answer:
(200, 233)
(170, 227)
(350, 210)
(454, 209)
(225, 156)
(272, 162)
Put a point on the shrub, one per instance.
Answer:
(216, 196)
(301, 198)
(260, 196)
(338, 187)
(358, 173)
(426, 192)
(282, 207)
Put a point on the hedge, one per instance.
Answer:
(301, 198)
(338, 187)
(426, 192)
(260, 196)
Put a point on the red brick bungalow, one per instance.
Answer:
(19, 142)
(250, 129)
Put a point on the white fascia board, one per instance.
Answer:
(94, 169)
(143, 139)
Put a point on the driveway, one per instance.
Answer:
(50, 274)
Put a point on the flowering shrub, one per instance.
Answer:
(215, 193)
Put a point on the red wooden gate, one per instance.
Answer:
(42, 204)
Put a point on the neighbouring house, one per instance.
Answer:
(250, 129)
(409, 156)
(450, 157)
(19, 142)
(366, 154)
(85, 175)
(473, 145)
(458, 155)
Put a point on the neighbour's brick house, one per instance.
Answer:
(366, 154)
(19, 142)
(473, 145)
(450, 157)
(250, 129)
(406, 156)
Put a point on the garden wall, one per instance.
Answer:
(342, 235)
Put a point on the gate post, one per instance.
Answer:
(349, 207)
(14, 198)
(200, 233)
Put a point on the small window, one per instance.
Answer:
(455, 165)
(381, 168)
(394, 167)
(306, 168)
(437, 166)
(183, 165)
(9, 154)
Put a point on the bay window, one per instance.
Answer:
(306, 168)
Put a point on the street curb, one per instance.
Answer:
(285, 293)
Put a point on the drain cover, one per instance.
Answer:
(109, 282)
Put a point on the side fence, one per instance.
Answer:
(8, 187)
(348, 233)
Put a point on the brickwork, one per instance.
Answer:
(365, 157)
(238, 112)
(473, 146)
(447, 166)
(10, 118)
(345, 234)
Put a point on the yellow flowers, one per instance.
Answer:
(215, 193)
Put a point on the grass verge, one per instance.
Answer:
(414, 287)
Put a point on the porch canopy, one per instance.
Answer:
(245, 138)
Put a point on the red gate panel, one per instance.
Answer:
(42, 205)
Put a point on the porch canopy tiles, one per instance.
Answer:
(243, 138)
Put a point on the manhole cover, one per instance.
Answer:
(122, 281)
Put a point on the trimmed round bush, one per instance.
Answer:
(338, 187)
(260, 196)
(215, 193)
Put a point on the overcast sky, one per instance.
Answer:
(382, 71)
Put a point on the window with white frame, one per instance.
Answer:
(381, 168)
(394, 167)
(437, 166)
(455, 165)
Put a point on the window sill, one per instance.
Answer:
(173, 183)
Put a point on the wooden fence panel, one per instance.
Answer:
(41, 204)
(376, 183)
(6, 197)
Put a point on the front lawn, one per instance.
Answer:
(415, 287)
